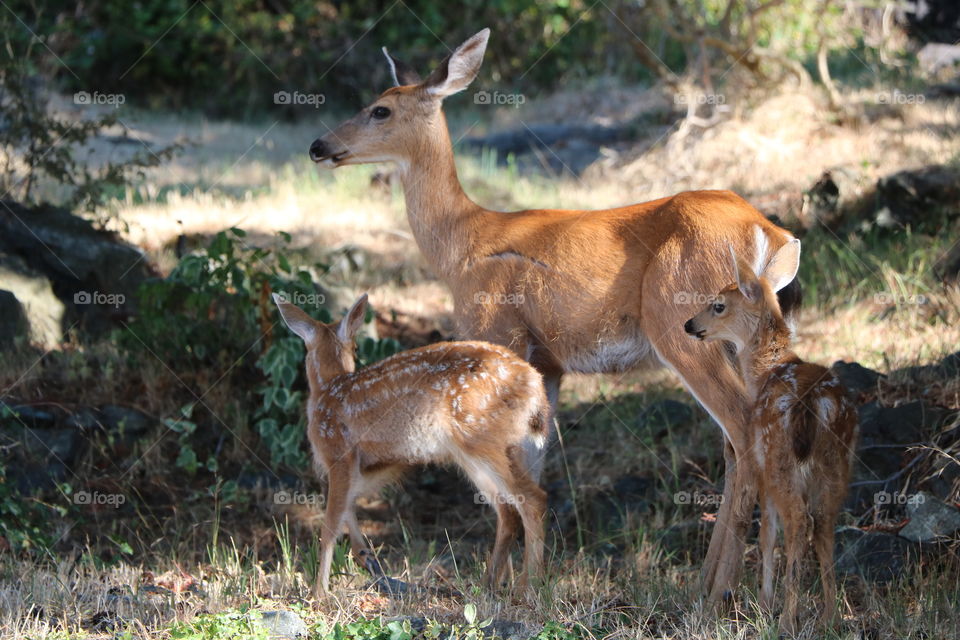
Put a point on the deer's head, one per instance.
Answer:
(330, 346)
(403, 118)
(735, 311)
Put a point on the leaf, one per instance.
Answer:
(470, 612)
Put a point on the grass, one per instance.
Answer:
(623, 551)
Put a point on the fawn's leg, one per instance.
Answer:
(508, 525)
(823, 535)
(339, 509)
(488, 477)
(796, 526)
(358, 544)
(531, 502)
(768, 540)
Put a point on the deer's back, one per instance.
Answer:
(804, 421)
(425, 404)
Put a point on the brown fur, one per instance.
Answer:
(472, 404)
(591, 291)
(802, 435)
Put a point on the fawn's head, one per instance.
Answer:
(397, 123)
(330, 346)
(735, 312)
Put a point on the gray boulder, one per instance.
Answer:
(94, 275)
(930, 519)
(284, 625)
(874, 556)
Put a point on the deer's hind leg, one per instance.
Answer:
(341, 487)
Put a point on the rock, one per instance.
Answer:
(24, 415)
(504, 629)
(947, 267)
(56, 444)
(94, 275)
(930, 519)
(508, 630)
(855, 377)
(125, 420)
(33, 293)
(84, 419)
(665, 414)
(950, 365)
(839, 193)
(937, 56)
(909, 195)
(13, 320)
(284, 625)
(629, 494)
(898, 425)
(874, 556)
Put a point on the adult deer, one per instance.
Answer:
(570, 291)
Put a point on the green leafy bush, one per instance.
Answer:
(214, 313)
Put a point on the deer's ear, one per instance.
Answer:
(401, 73)
(747, 281)
(783, 266)
(459, 69)
(296, 319)
(352, 322)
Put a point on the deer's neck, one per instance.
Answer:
(769, 346)
(441, 215)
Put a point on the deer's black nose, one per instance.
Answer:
(318, 150)
(688, 326)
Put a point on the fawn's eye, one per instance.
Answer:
(380, 113)
(718, 307)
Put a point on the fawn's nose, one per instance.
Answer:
(319, 150)
(688, 326)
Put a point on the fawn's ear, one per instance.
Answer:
(296, 319)
(352, 322)
(401, 73)
(747, 281)
(458, 69)
(783, 266)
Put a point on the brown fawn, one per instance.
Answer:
(595, 291)
(470, 403)
(802, 430)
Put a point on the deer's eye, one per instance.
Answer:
(380, 113)
(718, 307)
